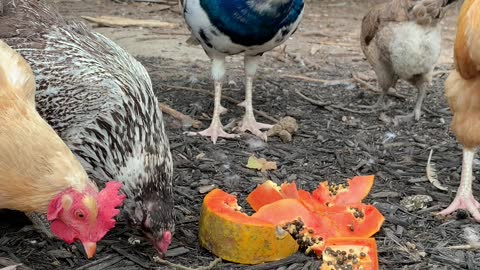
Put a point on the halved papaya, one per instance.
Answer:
(354, 191)
(350, 253)
(237, 237)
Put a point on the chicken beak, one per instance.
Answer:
(90, 248)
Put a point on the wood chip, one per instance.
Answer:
(112, 21)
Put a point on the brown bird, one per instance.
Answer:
(462, 89)
(401, 39)
(38, 173)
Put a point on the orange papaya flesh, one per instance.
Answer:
(264, 194)
(354, 191)
(350, 253)
(356, 220)
(308, 228)
(237, 237)
(289, 190)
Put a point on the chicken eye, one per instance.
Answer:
(79, 214)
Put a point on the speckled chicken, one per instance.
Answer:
(100, 100)
(229, 27)
(402, 40)
(462, 89)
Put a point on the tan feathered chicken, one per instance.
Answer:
(401, 40)
(462, 89)
(38, 172)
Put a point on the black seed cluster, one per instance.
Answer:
(357, 213)
(303, 236)
(344, 260)
(333, 188)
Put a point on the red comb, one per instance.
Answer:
(108, 200)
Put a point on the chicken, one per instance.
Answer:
(100, 100)
(462, 89)
(401, 39)
(38, 173)
(229, 27)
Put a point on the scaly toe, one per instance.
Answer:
(214, 133)
(467, 203)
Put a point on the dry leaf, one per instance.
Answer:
(261, 164)
(432, 174)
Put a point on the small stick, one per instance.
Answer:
(329, 106)
(373, 89)
(229, 99)
(185, 119)
(308, 79)
(181, 267)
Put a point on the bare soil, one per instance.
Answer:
(336, 140)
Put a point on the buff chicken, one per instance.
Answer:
(462, 89)
(38, 172)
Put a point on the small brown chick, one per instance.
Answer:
(401, 39)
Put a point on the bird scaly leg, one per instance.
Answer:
(216, 128)
(417, 111)
(464, 198)
(249, 122)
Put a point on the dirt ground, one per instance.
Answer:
(336, 140)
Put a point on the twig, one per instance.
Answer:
(181, 267)
(229, 99)
(96, 262)
(313, 101)
(112, 21)
(185, 119)
(373, 89)
(329, 106)
(308, 79)
(131, 257)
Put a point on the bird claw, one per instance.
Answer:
(250, 124)
(468, 203)
(405, 118)
(214, 132)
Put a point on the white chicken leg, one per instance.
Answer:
(464, 198)
(249, 122)
(216, 128)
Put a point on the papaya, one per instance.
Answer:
(350, 253)
(354, 191)
(234, 236)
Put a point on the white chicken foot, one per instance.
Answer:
(464, 198)
(216, 128)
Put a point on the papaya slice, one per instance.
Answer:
(350, 253)
(269, 192)
(356, 220)
(354, 191)
(264, 194)
(234, 236)
(308, 228)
